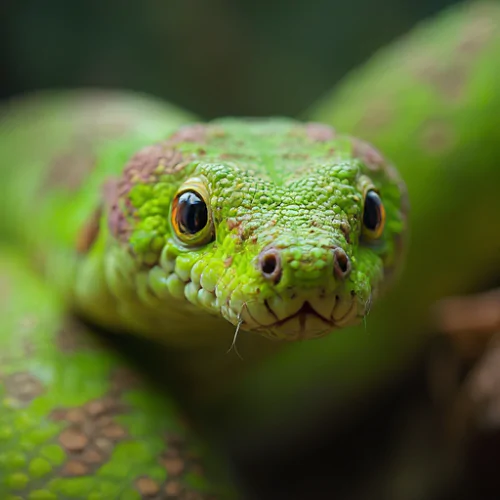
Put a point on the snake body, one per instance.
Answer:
(191, 235)
(271, 227)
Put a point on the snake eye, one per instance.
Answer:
(373, 215)
(191, 218)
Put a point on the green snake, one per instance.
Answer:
(232, 234)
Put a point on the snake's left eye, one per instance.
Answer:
(191, 217)
(373, 215)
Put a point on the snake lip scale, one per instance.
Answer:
(302, 316)
(307, 321)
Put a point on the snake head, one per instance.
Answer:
(278, 227)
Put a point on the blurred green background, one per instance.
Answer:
(213, 57)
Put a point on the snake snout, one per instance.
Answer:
(270, 263)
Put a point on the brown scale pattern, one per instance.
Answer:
(91, 432)
(178, 461)
(146, 166)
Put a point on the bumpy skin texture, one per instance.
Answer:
(353, 364)
(97, 190)
(76, 419)
(272, 187)
(279, 188)
(98, 183)
(430, 102)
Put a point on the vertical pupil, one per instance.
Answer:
(371, 216)
(193, 214)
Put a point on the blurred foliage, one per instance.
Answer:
(214, 57)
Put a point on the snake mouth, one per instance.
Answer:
(302, 314)
(307, 323)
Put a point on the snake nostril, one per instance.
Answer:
(270, 265)
(342, 264)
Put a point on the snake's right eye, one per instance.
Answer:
(191, 217)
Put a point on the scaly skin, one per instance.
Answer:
(274, 189)
(371, 355)
(76, 418)
(104, 230)
(430, 102)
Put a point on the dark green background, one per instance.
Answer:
(214, 57)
